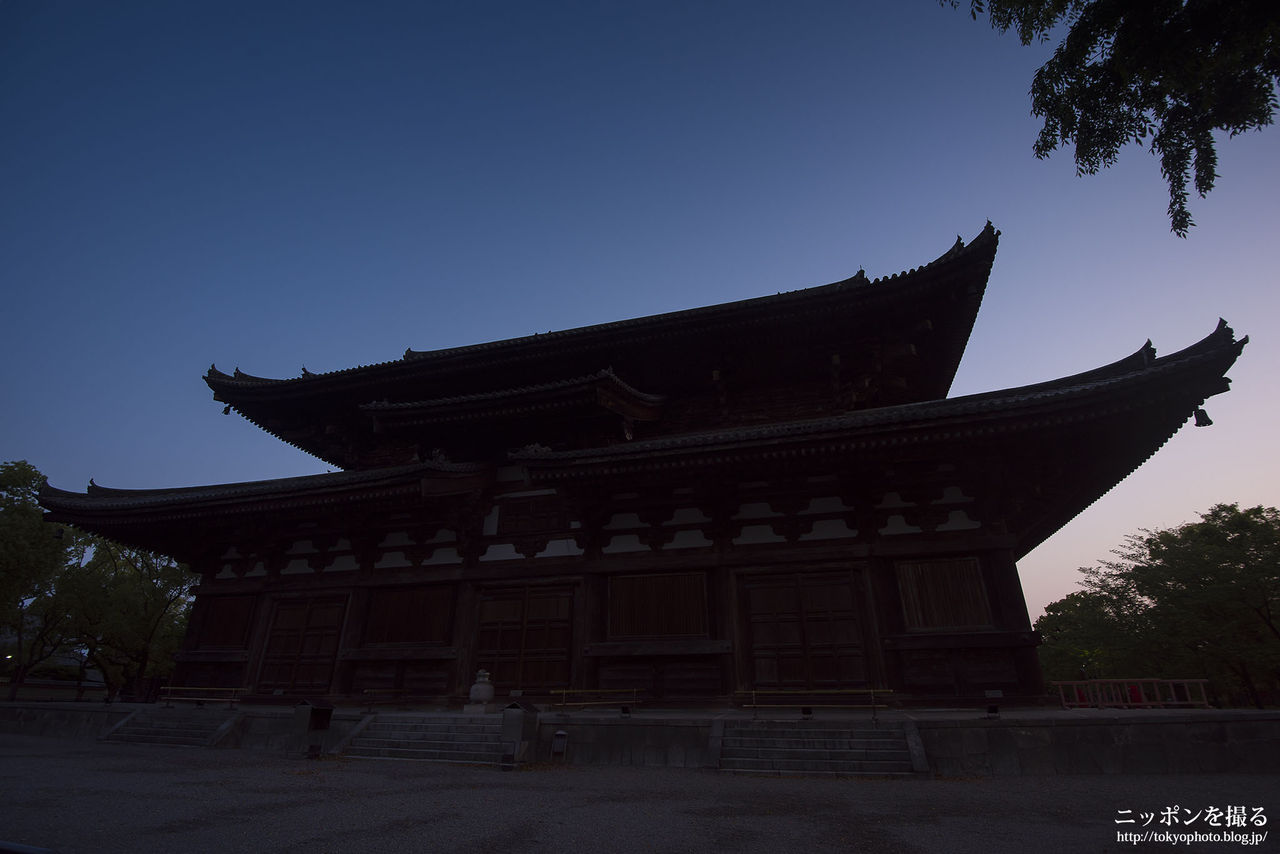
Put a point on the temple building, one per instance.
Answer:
(766, 494)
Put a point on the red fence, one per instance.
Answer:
(1133, 694)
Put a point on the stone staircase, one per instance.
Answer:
(816, 748)
(475, 740)
(181, 726)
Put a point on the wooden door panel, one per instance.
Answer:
(302, 646)
(525, 636)
(805, 630)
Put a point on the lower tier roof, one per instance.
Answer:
(1057, 447)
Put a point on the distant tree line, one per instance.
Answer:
(71, 601)
(1201, 600)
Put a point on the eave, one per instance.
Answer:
(174, 521)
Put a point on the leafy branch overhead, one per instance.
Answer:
(1167, 72)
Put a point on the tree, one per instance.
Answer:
(30, 550)
(1083, 638)
(64, 591)
(127, 610)
(1172, 71)
(1201, 599)
(32, 616)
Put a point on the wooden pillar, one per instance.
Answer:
(586, 606)
(1013, 608)
(353, 630)
(1004, 592)
(722, 601)
(594, 620)
(466, 635)
(886, 606)
(744, 665)
(264, 609)
(869, 616)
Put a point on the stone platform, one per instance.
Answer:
(946, 742)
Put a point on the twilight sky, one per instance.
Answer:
(270, 185)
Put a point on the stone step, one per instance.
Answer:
(791, 747)
(801, 723)
(173, 726)
(816, 766)
(363, 741)
(455, 721)
(450, 719)
(137, 734)
(814, 743)
(769, 772)
(161, 723)
(211, 707)
(882, 755)
(152, 738)
(842, 726)
(812, 732)
(435, 735)
(191, 728)
(397, 726)
(427, 738)
(451, 756)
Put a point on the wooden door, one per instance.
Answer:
(525, 635)
(806, 630)
(302, 646)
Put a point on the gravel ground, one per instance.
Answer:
(78, 798)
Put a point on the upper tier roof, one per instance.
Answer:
(1194, 373)
(603, 389)
(928, 312)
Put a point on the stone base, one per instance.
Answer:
(480, 708)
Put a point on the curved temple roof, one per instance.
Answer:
(1199, 368)
(927, 313)
(603, 387)
(316, 488)
(1140, 399)
(749, 311)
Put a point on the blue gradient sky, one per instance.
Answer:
(272, 185)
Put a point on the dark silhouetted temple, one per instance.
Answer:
(772, 493)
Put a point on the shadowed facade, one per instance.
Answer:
(772, 494)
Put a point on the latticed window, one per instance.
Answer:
(943, 594)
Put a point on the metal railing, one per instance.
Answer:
(373, 696)
(595, 697)
(194, 694)
(802, 698)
